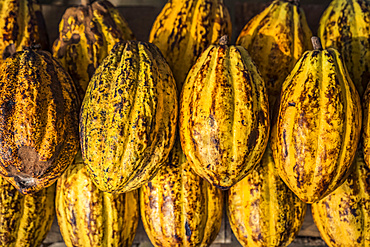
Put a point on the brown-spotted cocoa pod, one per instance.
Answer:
(343, 217)
(345, 26)
(318, 125)
(25, 220)
(185, 28)
(86, 35)
(39, 108)
(262, 210)
(21, 25)
(179, 208)
(276, 38)
(128, 117)
(89, 217)
(224, 115)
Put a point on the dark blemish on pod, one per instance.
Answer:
(285, 145)
(152, 203)
(216, 142)
(299, 176)
(150, 186)
(327, 206)
(178, 238)
(187, 229)
(315, 53)
(252, 139)
(211, 120)
(359, 240)
(221, 187)
(291, 103)
(73, 218)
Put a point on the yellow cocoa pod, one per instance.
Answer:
(25, 220)
(276, 38)
(185, 28)
(179, 208)
(345, 26)
(86, 35)
(224, 118)
(318, 125)
(38, 120)
(21, 25)
(89, 217)
(128, 117)
(262, 210)
(342, 217)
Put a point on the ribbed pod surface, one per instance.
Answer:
(86, 35)
(224, 120)
(276, 38)
(343, 217)
(185, 28)
(366, 125)
(90, 217)
(262, 210)
(128, 117)
(21, 25)
(345, 26)
(179, 208)
(318, 126)
(38, 116)
(25, 220)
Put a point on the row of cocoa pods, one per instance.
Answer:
(103, 120)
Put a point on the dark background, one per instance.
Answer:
(140, 14)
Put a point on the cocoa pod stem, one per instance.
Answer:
(85, 2)
(316, 43)
(295, 2)
(223, 40)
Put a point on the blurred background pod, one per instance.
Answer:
(185, 28)
(276, 38)
(343, 217)
(87, 33)
(21, 25)
(25, 220)
(179, 208)
(89, 217)
(345, 26)
(262, 210)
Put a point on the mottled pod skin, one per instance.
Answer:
(25, 220)
(86, 35)
(224, 118)
(21, 25)
(185, 28)
(276, 38)
(366, 125)
(343, 217)
(89, 217)
(128, 117)
(318, 125)
(262, 210)
(345, 26)
(38, 120)
(179, 208)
